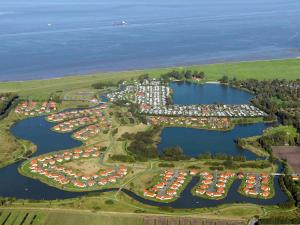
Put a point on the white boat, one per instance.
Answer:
(122, 23)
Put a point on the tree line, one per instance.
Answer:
(183, 75)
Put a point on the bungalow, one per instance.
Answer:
(160, 185)
(164, 197)
(149, 194)
(112, 179)
(200, 191)
(171, 192)
(221, 190)
(79, 184)
(217, 194)
(265, 194)
(102, 181)
(252, 192)
(221, 184)
(91, 183)
(265, 188)
(206, 181)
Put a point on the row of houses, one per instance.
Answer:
(214, 184)
(256, 185)
(91, 130)
(199, 122)
(73, 114)
(71, 125)
(168, 186)
(53, 167)
(214, 110)
(32, 108)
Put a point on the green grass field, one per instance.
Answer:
(40, 89)
(21, 217)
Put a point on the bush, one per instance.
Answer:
(109, 202)
(122, 158)
(166, 165)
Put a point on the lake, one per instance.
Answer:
(195, 141)
(185, 93)
(44, 39)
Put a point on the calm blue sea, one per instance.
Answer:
(50, 38)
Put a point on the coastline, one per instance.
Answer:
(147, 69)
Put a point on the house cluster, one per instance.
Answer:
(152, 93)
(125, 92)
(70, 125)
(91, 130)
(214, 110)
(73, 114)
(213, 185)
(256, 184)
(32, 108)
(168, 186)
(149, 92)
(204, 122)
(52, 167)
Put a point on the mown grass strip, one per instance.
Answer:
(28, 219)
(23, 219)
(6, 218)
(13, 217)
(33, 219)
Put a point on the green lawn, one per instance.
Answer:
(289, 130)
(40, 89)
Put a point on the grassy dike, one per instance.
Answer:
(41, 89)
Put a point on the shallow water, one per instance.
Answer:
(50, 38)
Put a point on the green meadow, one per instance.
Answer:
(41, 89)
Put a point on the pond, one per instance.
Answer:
(194, 141)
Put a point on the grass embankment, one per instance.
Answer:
(41, 89)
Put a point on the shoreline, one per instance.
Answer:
(147, 69)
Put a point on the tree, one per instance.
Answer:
(224, 79)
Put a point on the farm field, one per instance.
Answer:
(66, 217)
(20, 217)
(291, 154)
